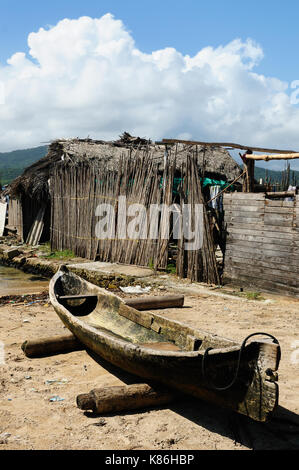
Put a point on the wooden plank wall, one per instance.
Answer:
(15, 216)
(262, 245)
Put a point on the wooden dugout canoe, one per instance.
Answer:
(219, 370)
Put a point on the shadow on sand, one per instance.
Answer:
(281, 432)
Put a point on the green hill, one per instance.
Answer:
(275, 176)
(12, 164)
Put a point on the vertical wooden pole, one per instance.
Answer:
(250, 171)
(248, 184)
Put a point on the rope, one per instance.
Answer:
(203, 368)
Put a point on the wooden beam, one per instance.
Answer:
(281, 194)
(223, 144)
(286, 156)
(76, 297)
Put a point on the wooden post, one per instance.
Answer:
(250, 172)
(248, 184)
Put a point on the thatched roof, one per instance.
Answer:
(214, 161)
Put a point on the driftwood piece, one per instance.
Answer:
(51, 345)
(151, 303)
(128, 397)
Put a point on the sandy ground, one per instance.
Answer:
(29, 420)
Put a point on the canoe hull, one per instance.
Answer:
(253, 394)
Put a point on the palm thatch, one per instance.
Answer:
(213, 162)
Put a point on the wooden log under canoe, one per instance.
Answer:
(42, 347)
(124, 398)
(241, 377)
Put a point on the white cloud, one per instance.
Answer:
(86, 77)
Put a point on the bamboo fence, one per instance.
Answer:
(78, 190)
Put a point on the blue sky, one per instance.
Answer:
(187, 27)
